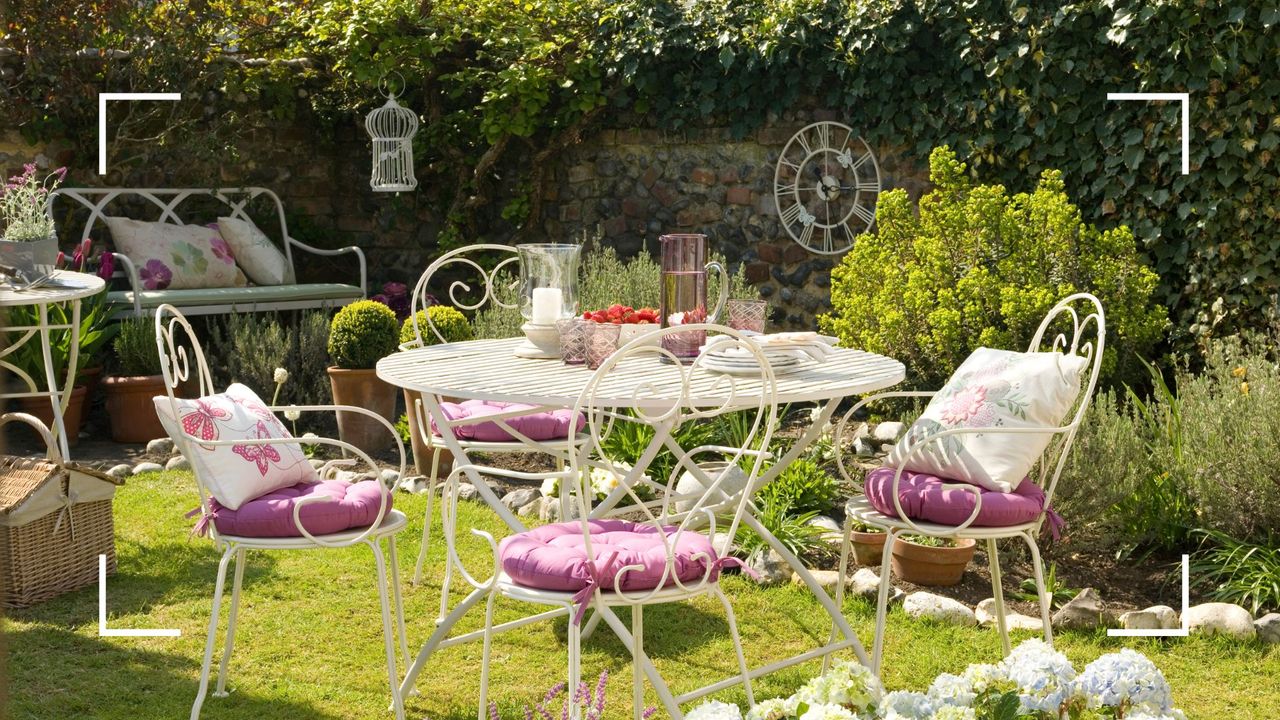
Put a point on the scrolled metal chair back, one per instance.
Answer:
(460, 292)
(673, 395)
(1077, 326)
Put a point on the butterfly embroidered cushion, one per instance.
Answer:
(993, 388)
(235, 473)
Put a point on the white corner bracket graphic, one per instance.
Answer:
(1185, 99)
(1176, 632)
(103, 630)
(102, 118)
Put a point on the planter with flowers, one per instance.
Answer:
(361, 334)
(455, 327)
(28, 242)
(931, 561)
(634, 322)
(1035, 682)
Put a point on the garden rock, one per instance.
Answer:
(467, 491)
(887, 432)
(519, 498)
(1268, 628)
(178, 462)
(162, 447)
(316, 463)
(1217, 618)
(1167, 616)
(770, 567)
(862, 446)
(939, 608)
(722, 543)
(692, 486)
(865, 583)
(826, 523)
(1140, 620)
(530, 509)
(826, 578)
(1084, 612)
(389, 476)
(986, 614)
(120, 472)
(416, 484)
(146, 467)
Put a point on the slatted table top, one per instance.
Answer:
(487, 370)
(69, 286)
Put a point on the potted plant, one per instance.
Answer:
(29, 243)
(455, 327)
(933, 561)
(867, 542)
(135, 381)
(360, 335)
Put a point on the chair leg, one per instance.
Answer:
(737, 646)
(589, 627)
(882, 600)
(575, 670)
(426, 518)
(484, 656)
(637, 649)
(845, 543)
(445, 525)
(397, 597)
(213, 631)
(388, 630)
(659, 685)
(1038, 567)
(997, 591)
(221, 689)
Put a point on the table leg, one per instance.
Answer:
(432, 404)
(57, 404)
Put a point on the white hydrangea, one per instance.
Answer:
(1044, 677)
(714, 710)
(774, 709)
(954, 712)
(828, 711)
(905, 705)
(603, 482)
(1144, 715)
(948, 689)
(1126, 677)
(551, 487)
(984, 676)
(848, 683)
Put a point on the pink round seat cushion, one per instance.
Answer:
(923, 498)
(554, 557)
(354, 505)
(547, 425)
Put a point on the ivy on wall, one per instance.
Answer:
(1014, 86)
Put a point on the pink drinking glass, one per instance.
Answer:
(602, 341)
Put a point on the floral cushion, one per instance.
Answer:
(255, 253)
(993, 388)
(233, 474)
(175, 257)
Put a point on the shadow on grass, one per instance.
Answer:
(55, 673)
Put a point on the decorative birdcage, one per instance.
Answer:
(392, 128)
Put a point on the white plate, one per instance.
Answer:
(751, 369)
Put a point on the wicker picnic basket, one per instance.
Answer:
(54, 522)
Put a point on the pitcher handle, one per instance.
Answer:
(724, 291)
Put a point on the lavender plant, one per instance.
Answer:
(22, 204)
(591, 700)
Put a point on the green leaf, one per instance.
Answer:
(1133, 155)
(726, 57)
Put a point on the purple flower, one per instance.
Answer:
(381, 299)
(222, 250)
(106, 265)
(155, 275)
(395, 289)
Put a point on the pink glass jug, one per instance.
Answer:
(684, 292)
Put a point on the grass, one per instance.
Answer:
(309, 643)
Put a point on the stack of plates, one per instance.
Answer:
(739, 361)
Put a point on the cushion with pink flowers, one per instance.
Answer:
(234, 473)
(924, 498)
(547, 425)
(175, 257)
(993, 389)
(260, 259)
(350, 506)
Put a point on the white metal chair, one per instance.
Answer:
(182, 359)
(1077, 326)
(461, 295)
(703, 395)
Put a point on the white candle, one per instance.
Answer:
(547, 303)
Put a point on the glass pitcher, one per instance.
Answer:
(684, 292)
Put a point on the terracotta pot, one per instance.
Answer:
(933, 566)
(421, 450)
(868, 547)
(91, 379)
(129, 403)
(73, 420)
(363, 388)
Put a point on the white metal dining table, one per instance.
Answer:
(488, 370)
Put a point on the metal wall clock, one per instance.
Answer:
(826, 186)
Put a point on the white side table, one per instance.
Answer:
(65, 287)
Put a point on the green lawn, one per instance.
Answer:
(309, 644)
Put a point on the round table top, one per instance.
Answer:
(487, 370)
(65, 285)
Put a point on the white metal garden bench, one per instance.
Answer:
(231, 202)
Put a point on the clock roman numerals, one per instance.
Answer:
(826, 168)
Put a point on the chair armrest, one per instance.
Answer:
(339, 251)
(391, 429)
(842, 424)
(135, 284)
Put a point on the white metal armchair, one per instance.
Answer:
(661, 552)
(1077, 327)
(182, 359)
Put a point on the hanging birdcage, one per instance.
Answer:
(392, 128)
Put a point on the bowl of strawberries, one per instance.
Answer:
(634, 322)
